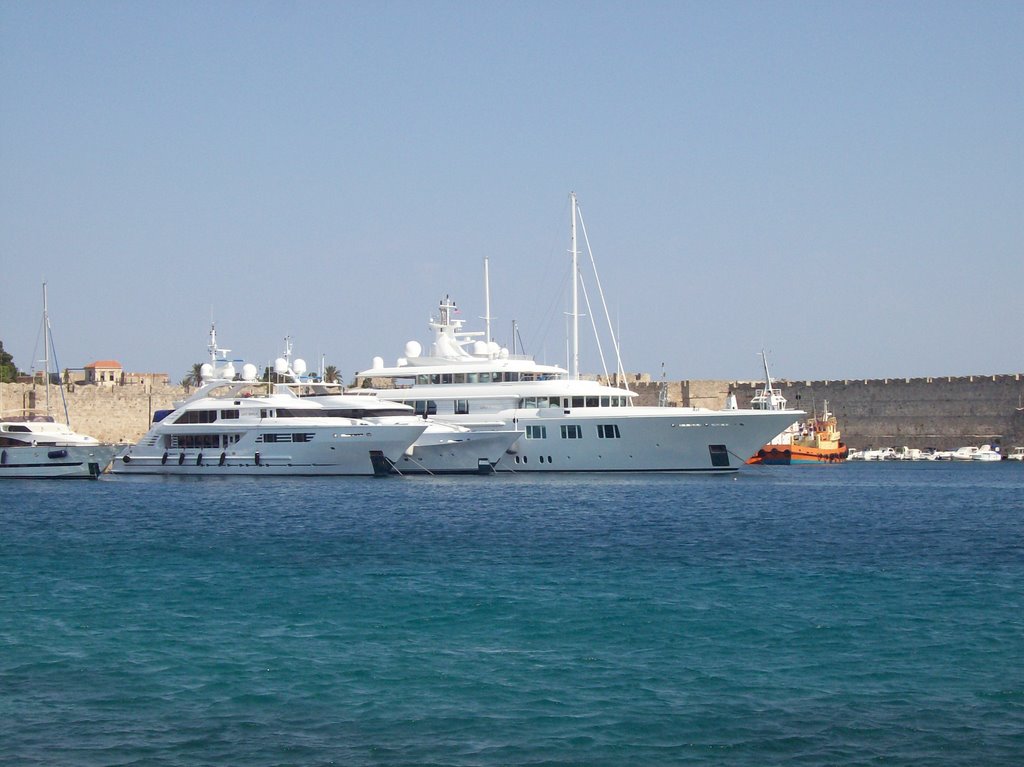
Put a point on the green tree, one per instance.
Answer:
(8, 370)
(330, 374)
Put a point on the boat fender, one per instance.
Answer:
(126, 458)
(57, 454)
(199, 460)
(181, 459)
(163, 458)
(3, 458)
(256, 457)
(223, 458)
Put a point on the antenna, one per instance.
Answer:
(487, 300)
(575, 297)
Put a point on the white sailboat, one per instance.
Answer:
(570, 424)
(34, 445)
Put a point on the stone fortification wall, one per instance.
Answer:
(109, 413)
(944, 413)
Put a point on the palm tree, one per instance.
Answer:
(331, 374)
(195, 378)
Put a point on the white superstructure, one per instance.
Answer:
(238, 427)
(570, 424)
(442, 448)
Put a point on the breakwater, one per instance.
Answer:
(941, 412)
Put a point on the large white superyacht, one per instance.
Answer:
(570, 424)
(245, 427)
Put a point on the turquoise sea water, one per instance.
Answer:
(854, 614)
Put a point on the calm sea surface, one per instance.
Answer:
(854, 614)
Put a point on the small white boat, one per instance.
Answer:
(1017, 454)
(34, 445)
(965, 453)
(987, 453)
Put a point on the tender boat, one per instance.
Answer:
(570, 424)
(34, 445)
(244, 427)
(1017, 454)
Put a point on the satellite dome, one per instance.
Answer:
(205, 370)
(413, 349)
(493, 347)
(480, 348)
(503, 353)
(249, 372)
(229, 371)
(378, 363)
(299, 367)
(280, 365)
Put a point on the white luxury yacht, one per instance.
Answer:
(443, 448)
(570, 424)
(34, 445)
(238, 427)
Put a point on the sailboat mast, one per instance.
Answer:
(46, 346)
(575, 297)
(487, 299)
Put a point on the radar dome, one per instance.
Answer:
(229, 371)
(249, 372)
(413, 349)
(493, 347)
(480, 348)
(503, 353)
(205, 370)
(299, 367)
(378, 363)
(280, 365)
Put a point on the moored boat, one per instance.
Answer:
(814, 440)
(34, 445)
(240, 426)
(570, 424)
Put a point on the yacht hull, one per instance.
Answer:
(55, 462)
(639, 439)
(349, 451)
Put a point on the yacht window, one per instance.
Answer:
(512, 376)
(18, 427)
(528, 402)
(461, 406)
(304, 437)
(227, 415)
(577, 401)
(536, 432)
(425, 407)
(592, 401)
(446, 378)
(608, 431)
(197, 416)
(604, 402)
(485, 378)
(572, 431)
(460, 378)
(471, 378)
(264, 413)
(193, 441)
(422, 380)
(435, 378)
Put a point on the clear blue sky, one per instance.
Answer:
(840, 183)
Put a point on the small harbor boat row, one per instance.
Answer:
(570, 424)
(244, 427)
(814, 440)
(34, 445)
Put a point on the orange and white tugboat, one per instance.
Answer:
(816, 440)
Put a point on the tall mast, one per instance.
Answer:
(575, 297)
(46, 346)
(487, 300)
